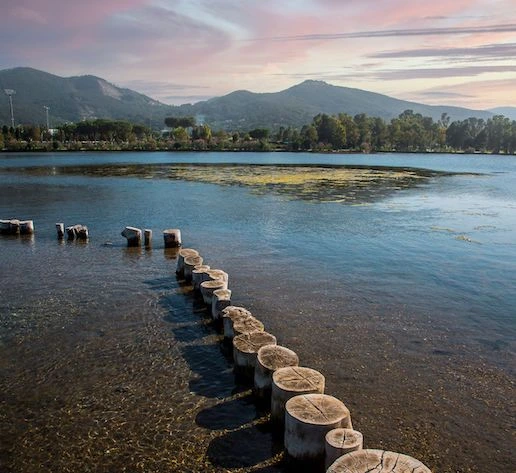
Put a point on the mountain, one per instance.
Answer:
(73, 99)
(297, 106)
(509, 112)
(78, 98)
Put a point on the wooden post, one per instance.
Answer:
(208, 287)
(79, 232)
(27, 227)
(214, 274)
(148, 237)
(371, 460)
(199, 275)
(247, 325)
(60, 230)
(220, 300)
(269, 359)
(308, 418)
(245, 351)
(133, 235)
(229, 315)
(340, 441)
(289, 382)
(189, 264)
(172, 238)
(184, 253)
(10, 227)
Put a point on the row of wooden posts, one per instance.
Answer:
(317, 427)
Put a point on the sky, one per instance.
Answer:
(453, 52)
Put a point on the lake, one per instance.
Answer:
(394, 275)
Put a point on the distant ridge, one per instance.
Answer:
(77, 98)
(509, 112)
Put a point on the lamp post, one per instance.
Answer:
(46, 111)
(10, 93)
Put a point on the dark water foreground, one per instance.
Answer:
(107, 362)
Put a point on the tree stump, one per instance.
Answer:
(207, 288)
(308, 418)
(190, 263)
(172, 238)
(60, 230)
(289, 382)
(133, 235)
(229, 315)
(221, 300)
(199, 275)
(269, 359)
(341, 441)
(245, 351)
(184, 253)
(247, 325)
(377, 461)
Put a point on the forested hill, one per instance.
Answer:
(297, 106)
(73, 99)
(87, 97)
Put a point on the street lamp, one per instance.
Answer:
(46, 110)
(10, 93)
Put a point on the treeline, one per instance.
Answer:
(409, 132)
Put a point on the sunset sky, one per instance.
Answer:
(455, 52)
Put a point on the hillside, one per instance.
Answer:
(509, 112)
(78, 98)
(73, 99)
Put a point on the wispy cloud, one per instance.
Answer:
(490, 51)
(426, 73)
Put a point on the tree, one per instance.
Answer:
(176, 122)
(259, 133)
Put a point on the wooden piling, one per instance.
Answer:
(26, 227)
(199, 275)
(172, 238)
(308, 418)
(247, 325)
(10, 227)
(208, 287)
(229, 315)
(147, 237)
(340, 441)
(184, 253)
(220, 300)
(133, 235)
(289, 382)
(60, 230)
(245, 351)
(77, 232)
(371, 460)
(189, 264)
(269, 359)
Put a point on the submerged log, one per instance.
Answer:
(377, 461)
(289, 382)
(341, 441)
(308, 418)
(133, 235)
(172, 238)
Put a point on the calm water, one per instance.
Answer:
(404, 300)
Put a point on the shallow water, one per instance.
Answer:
(403, 297)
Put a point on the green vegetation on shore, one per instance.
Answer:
(409, 132)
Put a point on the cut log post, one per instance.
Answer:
(214, 274)
(245, 351)
(308, 418)
(247, 325)
(77, 232)
(199, 275)
(10, 227)
(340, 441)
(289, 382)
(26, 227)
(190, 263)
(375, 461)
(133, 235)
(229, 315)
(60, 230)
(208, 287)
(184, 253)
(220, 300)
(172, 238)
(269, 359)
(148, 237)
